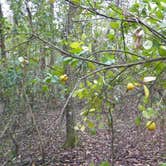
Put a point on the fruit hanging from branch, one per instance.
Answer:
(64, 78)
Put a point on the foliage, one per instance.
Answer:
(108, 47)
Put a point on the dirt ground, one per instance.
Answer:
(133, 145)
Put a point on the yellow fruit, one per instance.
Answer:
(150, 125)
(130, 86)
(64, 77)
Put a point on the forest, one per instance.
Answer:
(83, 82)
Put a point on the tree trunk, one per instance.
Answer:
(71, 135)
(2, 37)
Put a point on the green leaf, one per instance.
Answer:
(146, 115)
(148, 44)
(111, 34)
(45, 88)
(82, 128)
(76, 45)
(115, 25)
(81, 93)
(90, 124)
(92, 110)
(47, 79)
(149, 113)
(134, 8)
(138, 121)
(163, 4)
(76, 1)
(162, 50)
(91, 164)
(141, 107)
(84, 113)
(105, 163)
(159, 14)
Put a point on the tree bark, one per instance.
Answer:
(2, 37)
(71, 136)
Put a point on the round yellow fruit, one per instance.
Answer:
(150, 125)
(64, 77)
(130, 86)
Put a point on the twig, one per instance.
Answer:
(37, 129)
(125, 65)
(111, 128)
(6, 126)
(87, 20)
(123, 37)
(67, 53)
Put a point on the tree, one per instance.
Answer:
(108, 51)
(2, 37)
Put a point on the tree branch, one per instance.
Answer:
(51, 45)
(121, 51)
(133, 19)
(102, 69)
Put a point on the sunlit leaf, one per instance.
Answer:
(82, 128)
(163, 4)
(149, 113)
(92, 110)
(76, 128)
(76, 45)
(84, 113)
(162, 50)
(90, 124)
(141, 107)
(21, 59)
(76, 1)
(148, 44)
(146, 91)
(115, 25)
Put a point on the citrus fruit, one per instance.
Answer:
(64, 77)
(130, 86)
(150, 125)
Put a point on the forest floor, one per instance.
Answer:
(133, 145)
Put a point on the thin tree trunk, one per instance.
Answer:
(2, 37)
(52, 58)
(71, 135)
